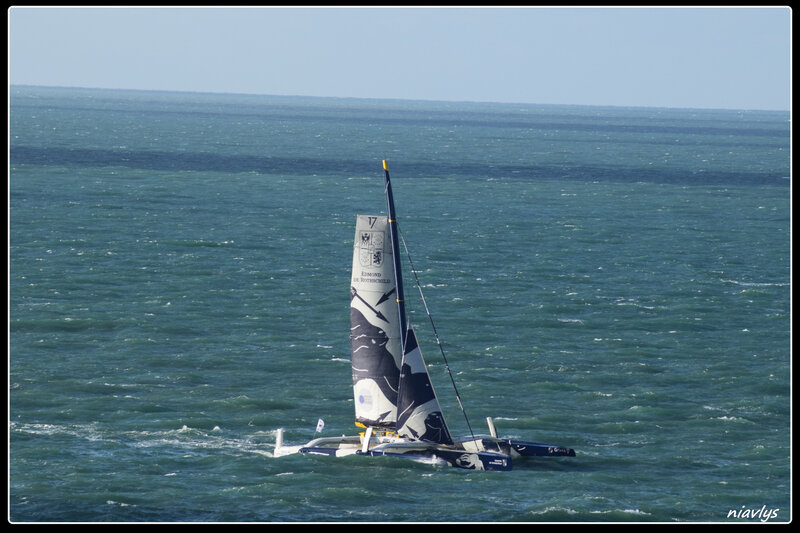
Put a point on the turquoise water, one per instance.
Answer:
(615, 280)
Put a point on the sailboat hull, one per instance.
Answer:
(421, 453)
(444, 456)
(482, 453)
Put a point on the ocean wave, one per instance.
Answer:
(755, 283)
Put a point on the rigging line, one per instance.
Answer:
(435, 333)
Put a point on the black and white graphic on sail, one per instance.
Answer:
(419, 415)
(374, 327)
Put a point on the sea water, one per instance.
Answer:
(615, 280)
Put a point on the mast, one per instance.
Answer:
(401, 306)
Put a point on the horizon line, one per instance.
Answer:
(769, 110)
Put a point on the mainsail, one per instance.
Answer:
(374, 325)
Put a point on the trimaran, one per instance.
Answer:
(395, 403)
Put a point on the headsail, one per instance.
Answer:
(374, 324)
(419, 416)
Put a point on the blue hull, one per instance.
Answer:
(456, 458)
(460, 458)
(535, 449)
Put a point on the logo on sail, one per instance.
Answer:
(370, 248)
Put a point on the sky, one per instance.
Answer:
(729, 58)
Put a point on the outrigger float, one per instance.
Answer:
(395, 403)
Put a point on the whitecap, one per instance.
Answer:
(754, 283)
